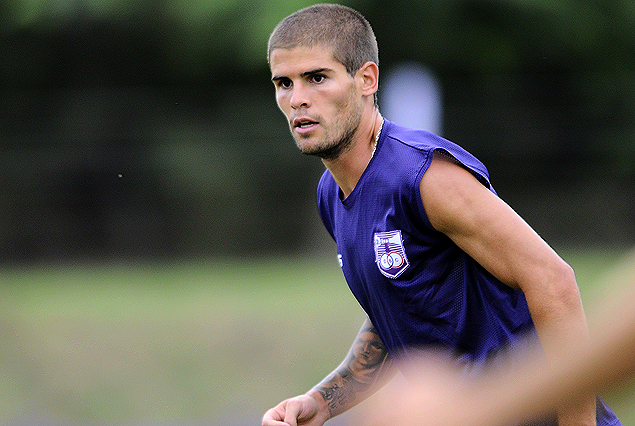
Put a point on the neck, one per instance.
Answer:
(348, 168)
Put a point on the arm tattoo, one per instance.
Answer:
(360, 373)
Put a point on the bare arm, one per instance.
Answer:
(495, 236)
(366, 369)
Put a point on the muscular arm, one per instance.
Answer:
(366, 369)
(494, 400)
(495, 236)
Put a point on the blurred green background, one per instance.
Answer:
(214, 342)
(161, 256)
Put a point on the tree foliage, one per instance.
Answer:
(542, 90)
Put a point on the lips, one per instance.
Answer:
(304, 124)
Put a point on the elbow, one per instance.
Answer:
(566, 282)
(556, 293)
(557, 310)
(564, 293)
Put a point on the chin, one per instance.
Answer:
(306, 145)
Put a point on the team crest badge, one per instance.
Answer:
(390, 255)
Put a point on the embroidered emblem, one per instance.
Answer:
(390, 255)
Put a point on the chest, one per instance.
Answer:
(380, 235)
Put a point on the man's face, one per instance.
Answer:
(369, 349)
(319, 98)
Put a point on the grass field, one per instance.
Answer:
(205, 342)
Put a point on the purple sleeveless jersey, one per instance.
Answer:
(417, 287)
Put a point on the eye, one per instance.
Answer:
(283, 83)
(377, 346)
(318, 78)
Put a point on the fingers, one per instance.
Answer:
(286, 413)
(300, 410)
(275, 416)
(296, 411)
(293, 412)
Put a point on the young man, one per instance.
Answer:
(431, 253)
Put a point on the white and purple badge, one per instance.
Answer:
(390, 255)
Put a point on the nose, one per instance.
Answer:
(299, 97)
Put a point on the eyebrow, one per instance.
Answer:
(304, 74)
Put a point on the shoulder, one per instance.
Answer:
(429, 143)
(452, 193)
(407, 138)
(446, 174)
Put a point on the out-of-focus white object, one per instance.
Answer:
(411, 96)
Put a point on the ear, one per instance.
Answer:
(368, 77)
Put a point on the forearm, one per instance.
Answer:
(357, 378)
(560, 322)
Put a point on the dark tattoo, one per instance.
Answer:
(359, 374)
(335, 397)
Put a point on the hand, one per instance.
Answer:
(303, 410)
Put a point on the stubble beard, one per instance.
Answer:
(332, 147)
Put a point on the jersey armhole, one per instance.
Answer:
(424, 167)
(453, 159)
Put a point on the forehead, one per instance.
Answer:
(299, 60)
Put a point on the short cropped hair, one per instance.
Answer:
(343, 29)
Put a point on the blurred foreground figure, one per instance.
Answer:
(429, 250)
(440, 396)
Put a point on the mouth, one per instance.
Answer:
(304, 125)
